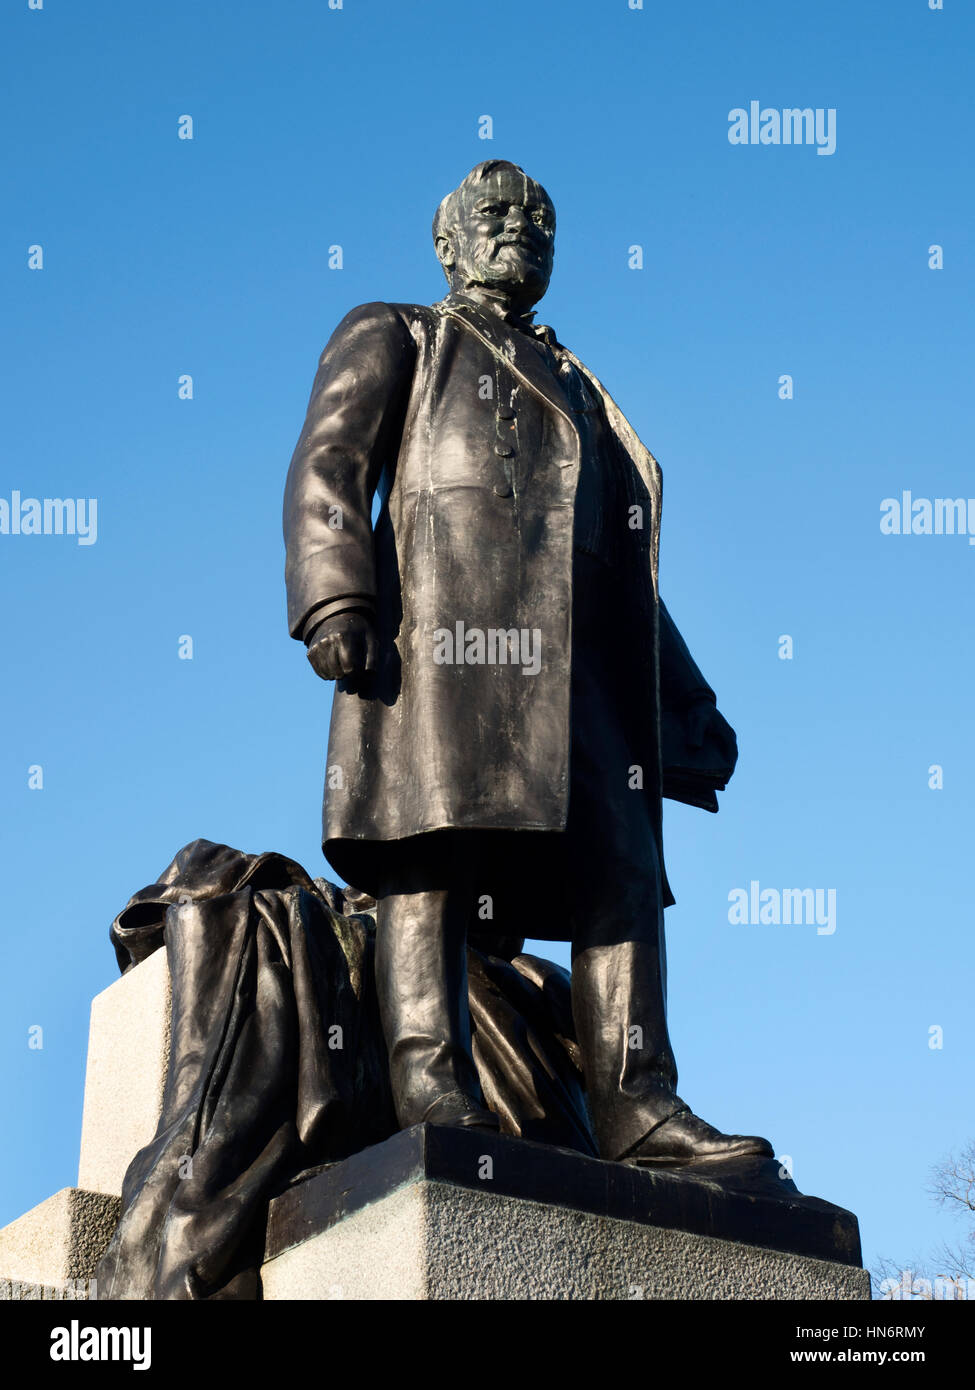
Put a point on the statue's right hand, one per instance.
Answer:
(343, 646)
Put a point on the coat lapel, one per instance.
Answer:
(645, 463)
(514, 350)
(522, 359)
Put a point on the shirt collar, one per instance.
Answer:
(524, 323)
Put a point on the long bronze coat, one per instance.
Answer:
(472, 444)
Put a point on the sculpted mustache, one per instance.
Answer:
(515, 240)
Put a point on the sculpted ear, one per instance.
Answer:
(445, 252)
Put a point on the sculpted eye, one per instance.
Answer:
(494, 209)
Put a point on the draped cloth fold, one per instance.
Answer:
(277, 1061)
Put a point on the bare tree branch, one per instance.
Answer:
(952, 1186)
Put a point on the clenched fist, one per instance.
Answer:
(343, 646)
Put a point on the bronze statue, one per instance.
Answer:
(513, 699)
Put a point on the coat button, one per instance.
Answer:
(505, 412)
(503, 489)
(503, 450)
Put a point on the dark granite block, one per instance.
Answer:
(744, 1201)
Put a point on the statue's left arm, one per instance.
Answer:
(689, 713)
(681, 681)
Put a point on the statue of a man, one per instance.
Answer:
(512, 694)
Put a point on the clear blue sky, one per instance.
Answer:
(315, 127)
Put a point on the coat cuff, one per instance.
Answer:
(331, 608)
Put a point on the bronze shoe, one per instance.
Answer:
(685, 1138)
(456, 1108)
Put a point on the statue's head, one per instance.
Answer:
(497, 231)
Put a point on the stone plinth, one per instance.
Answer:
(456, 1214)
(53, 1248)
(51, 1251)
(128, 1053)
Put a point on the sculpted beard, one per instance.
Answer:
(509, 261)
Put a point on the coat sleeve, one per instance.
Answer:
(690, 774)
(680, 679)
(351, 431)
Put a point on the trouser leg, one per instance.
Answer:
(619, 1010)
(616, 901)
(421, 980)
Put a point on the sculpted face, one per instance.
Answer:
(501, 237)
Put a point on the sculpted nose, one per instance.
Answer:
(516, 220)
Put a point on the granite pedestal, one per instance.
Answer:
(438, 1213)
